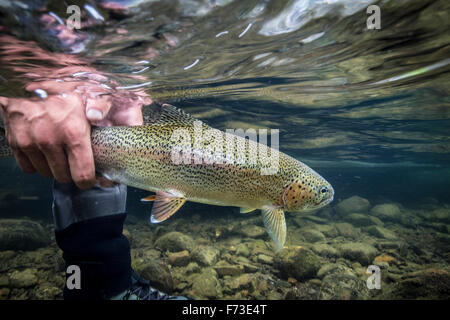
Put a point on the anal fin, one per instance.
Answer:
(166, 204)
(275, 224)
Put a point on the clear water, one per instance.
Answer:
(368, 109)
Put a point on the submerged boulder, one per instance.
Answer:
(179, 259)
(22, 234)
(300, 264)
(206, 285)
(343, 287)
(157, 273)
(223, 268)
(358, 251)
(324, 250)
(432, 284)
(312, 235)
(242, 282)
(386, 212)
(251, 231)
(362, 220)
(439, 215)
(381, 232)
(334, 268)
(23, 279)
(353, 204)
(347, 230)
(175, 241)
(205, 255)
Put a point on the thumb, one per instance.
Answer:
(97, 109)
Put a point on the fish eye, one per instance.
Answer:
(324, 190)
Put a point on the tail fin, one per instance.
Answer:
(5, 150)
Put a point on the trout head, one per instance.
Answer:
(306, 193)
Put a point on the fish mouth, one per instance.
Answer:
(325, 201)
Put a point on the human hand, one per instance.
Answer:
(52, 135)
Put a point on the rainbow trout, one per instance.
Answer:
(163, 156)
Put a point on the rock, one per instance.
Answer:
(192, 267)
(316, 219)
(381, 232)
(386, 212)
(175, 241)
(23, 279)
(223, 268)
(429, 284)
(127, 233)
(358, 251)
(326, 212)
(347, 230)
(352, 205)
(362, 220)
(4, 293)
(327, 230)
(47, 291)
(205, 255)
(265, 259)
(385, 258)
(179, 259)
(439, 215)
(22, 234)
(300, 264)
(324, 250)
(242, 282)
(401, 246)
(248, 266)
(443, 237)
(157, 273)
(259, 246)
(334, 268)
(251, 231)
(242, 250)
(343, 287)
(7, 255)
(381, 264)
(4, 281)
(312, 235)
(206, 285)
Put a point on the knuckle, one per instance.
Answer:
(84, 177)
(26, 145)
(45, 143)
(73, 134)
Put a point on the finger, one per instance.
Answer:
(57, 161)
(81, 163)
(24, 164)
(98, 108)
(128, 117)
(39, 162)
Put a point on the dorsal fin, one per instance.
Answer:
(163, 114)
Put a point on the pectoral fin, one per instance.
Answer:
(166, 204)
(275, 224)
(247, 210)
